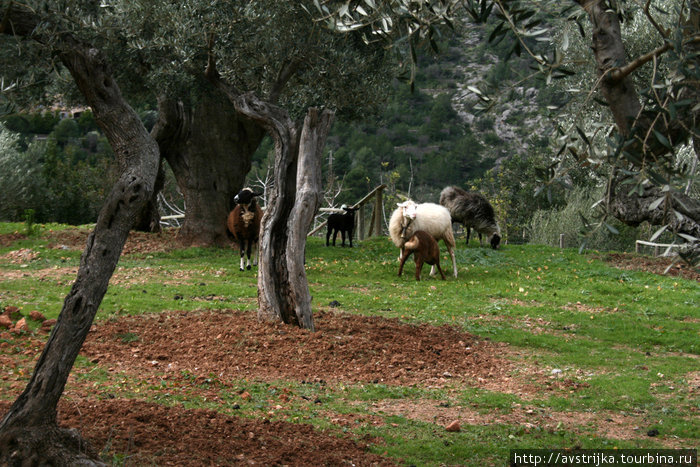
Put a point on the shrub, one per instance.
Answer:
(546, 226)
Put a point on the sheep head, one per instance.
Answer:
(412, 243)
(245, 196)
(408, 215)
(495, 241)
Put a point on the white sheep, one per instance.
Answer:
(430, 217)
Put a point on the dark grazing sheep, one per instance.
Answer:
(473, 211)
(425, 249)
(244, 224)
(341, 222)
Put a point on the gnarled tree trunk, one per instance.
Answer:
(283, 291)
(149, 219)
(209, 148)
(308, 200)
(29, 434)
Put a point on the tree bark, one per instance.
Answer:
(609, 52)
(149, 219)
(283, 293)
(28, 432)
(276, 300)
(678, 211)
(209, 148)
(309, 196)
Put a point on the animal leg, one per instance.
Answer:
(403, 259)
(469, 231)
(454, 260)
(442, 274)
(256, 252)
(350, 237)
(335, 235)
(342, 235)
(419, 266)
(250, 247)
(241, 246)
(328, 236)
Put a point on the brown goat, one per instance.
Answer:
(425, 249)
(244, 224)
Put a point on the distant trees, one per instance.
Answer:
(418, 142)
(63, 176)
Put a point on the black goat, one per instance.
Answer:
(473, 211)
(342, 223)
(244, 223)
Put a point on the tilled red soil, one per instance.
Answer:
(350, 348)
(145, 433)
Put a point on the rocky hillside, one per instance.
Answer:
(518, 119)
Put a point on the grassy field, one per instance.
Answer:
(626, 342)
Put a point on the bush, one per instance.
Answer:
(546, 226)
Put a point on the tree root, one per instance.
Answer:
(46, 445)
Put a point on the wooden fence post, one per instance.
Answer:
(361, 223)
(378, 211)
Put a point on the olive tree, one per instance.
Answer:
(271, 48)
(28, 432)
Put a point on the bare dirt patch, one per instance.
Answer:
(145, 433)
(233, 345)
(348, 348)
(23, 255)
(9, 239)
(656, 265)
(137, 243)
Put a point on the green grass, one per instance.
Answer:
(630, 338)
